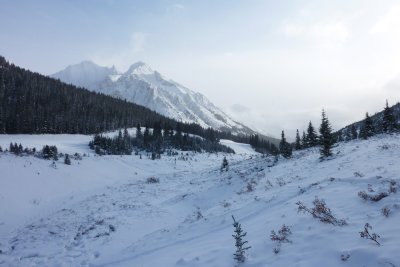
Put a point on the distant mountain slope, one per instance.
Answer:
(144, 86)
(376, 119)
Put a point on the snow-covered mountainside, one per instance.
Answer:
(146, 87)
(85, 74)
(105, 211)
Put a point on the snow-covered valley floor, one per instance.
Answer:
(101, 211)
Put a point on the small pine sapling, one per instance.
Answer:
(366, 234)
(240, 254)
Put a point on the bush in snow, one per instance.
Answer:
(224, 165)
(152, 180)
(78, 156)
(240, 254)
(345, 256)
(281, 237)
(321, 211)
(250, 187)
(377, 197)
(366, 234)
(392, 187)
(385, 211)
(373, 197)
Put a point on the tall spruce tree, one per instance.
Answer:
(326, 138)
(353, 131)
(297, 145)
(389, 120)
(369, 126)
(311, 138)
(284, 147)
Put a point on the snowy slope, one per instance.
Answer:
(144, 86)
(185, 219)
(239, 148)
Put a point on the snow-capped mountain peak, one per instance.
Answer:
(142, 85)
(140, 68)
(85, 74)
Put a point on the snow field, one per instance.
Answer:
(101, 212)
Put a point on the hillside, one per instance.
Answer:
(100, 211)
(376, 119)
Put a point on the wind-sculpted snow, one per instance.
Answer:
(118, 218)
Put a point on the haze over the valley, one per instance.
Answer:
(270, 64)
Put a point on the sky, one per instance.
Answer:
(273, 65)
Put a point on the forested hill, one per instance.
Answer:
(353, 130)
(34, 103)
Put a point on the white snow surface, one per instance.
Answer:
(144, 86)
(239, 147)
(101, 212)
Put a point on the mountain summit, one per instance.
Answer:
(85, 74)
(144, 86)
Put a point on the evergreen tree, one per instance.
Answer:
(304, 140)
(311, 138)
(389, 121)
(298, 141)
(339, 137)
(225, 165)
(284, 147)
(369, 126)
(347, 136)
(326, 137)
(353, 131)
(139, 134)
(67, 159)
(146, 136)
(240, 254)
(363, 132)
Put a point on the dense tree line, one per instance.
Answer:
(260, 144)
(156, 141)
